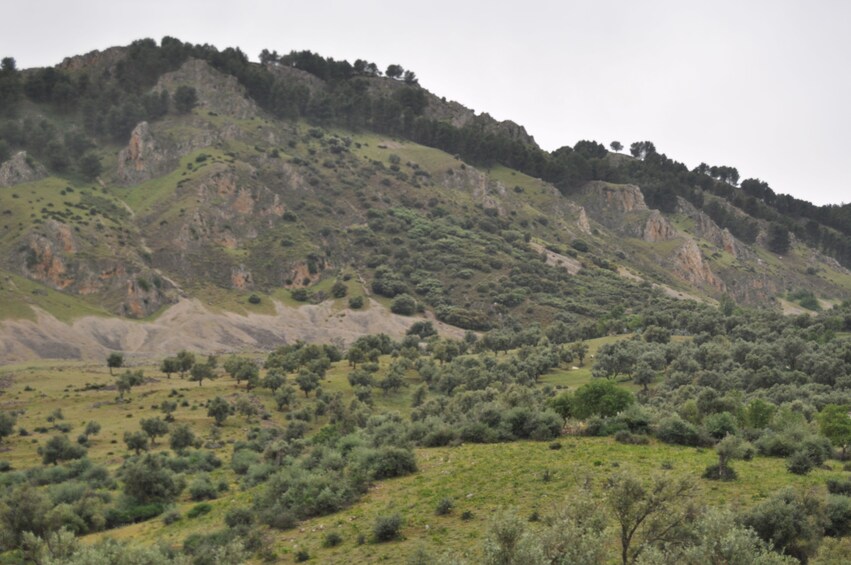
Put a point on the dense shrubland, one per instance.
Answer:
(745, 383)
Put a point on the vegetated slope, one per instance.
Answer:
(220, 179)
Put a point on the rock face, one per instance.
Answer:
(706, 228)
(610, 198)
(688, 264)
(217, 92)
(19, 169)
(50, 256)
(143, 158)
(658, 228)
(96, 61)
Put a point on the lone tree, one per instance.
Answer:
(154, 427)
(114, 361)
(181, 437)
(616, 146)
(219, 410)
(201, 371)
(728, 449)
(170, 365)
(394, 71)
(127, 381)
(168, 407)
(185, 361)
(648, 516)
(137, 441)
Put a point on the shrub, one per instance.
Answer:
(243, 459)
(799, 463)
(236, 517)
(301, 294)
(841, 486)
(404, 305)
(201, 488)
(132, 513)
(332, 539)
(301, 556)
(356, 302)
(838, 510)
(444, 507)
(386, 528)
(171, 517)
(199, 510)
(254, 299)
(718, 472)
(674, 429)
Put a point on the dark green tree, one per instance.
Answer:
(219, 410)
(170, 365)
(200, 372)
(148, 480)
(137, 441)
(600, 398)
(394, 71)
(90, 166)
(154, 427)
(181, 437)
(7, 424)
(59, 448)
(307, 381)
(114, 361)
(185, 99)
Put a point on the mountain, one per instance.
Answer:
(156, 197)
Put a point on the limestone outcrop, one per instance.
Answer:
(21, 168)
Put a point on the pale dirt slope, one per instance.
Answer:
(189, 325)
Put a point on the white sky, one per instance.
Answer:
(764, 86)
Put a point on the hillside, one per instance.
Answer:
(140, 210)
(303, 310)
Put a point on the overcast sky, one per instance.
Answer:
(764, 86)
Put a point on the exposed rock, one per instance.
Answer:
(706, 228)
(582, 221)
(51, 256)
(658, 228)
(217, 92)
(21, 168)
(689, 264)
(483, 190)
(105, 60)
(241, 278)
(143, 158)
(614, 198)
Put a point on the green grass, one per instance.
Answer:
(18, 295)
(144, 198)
